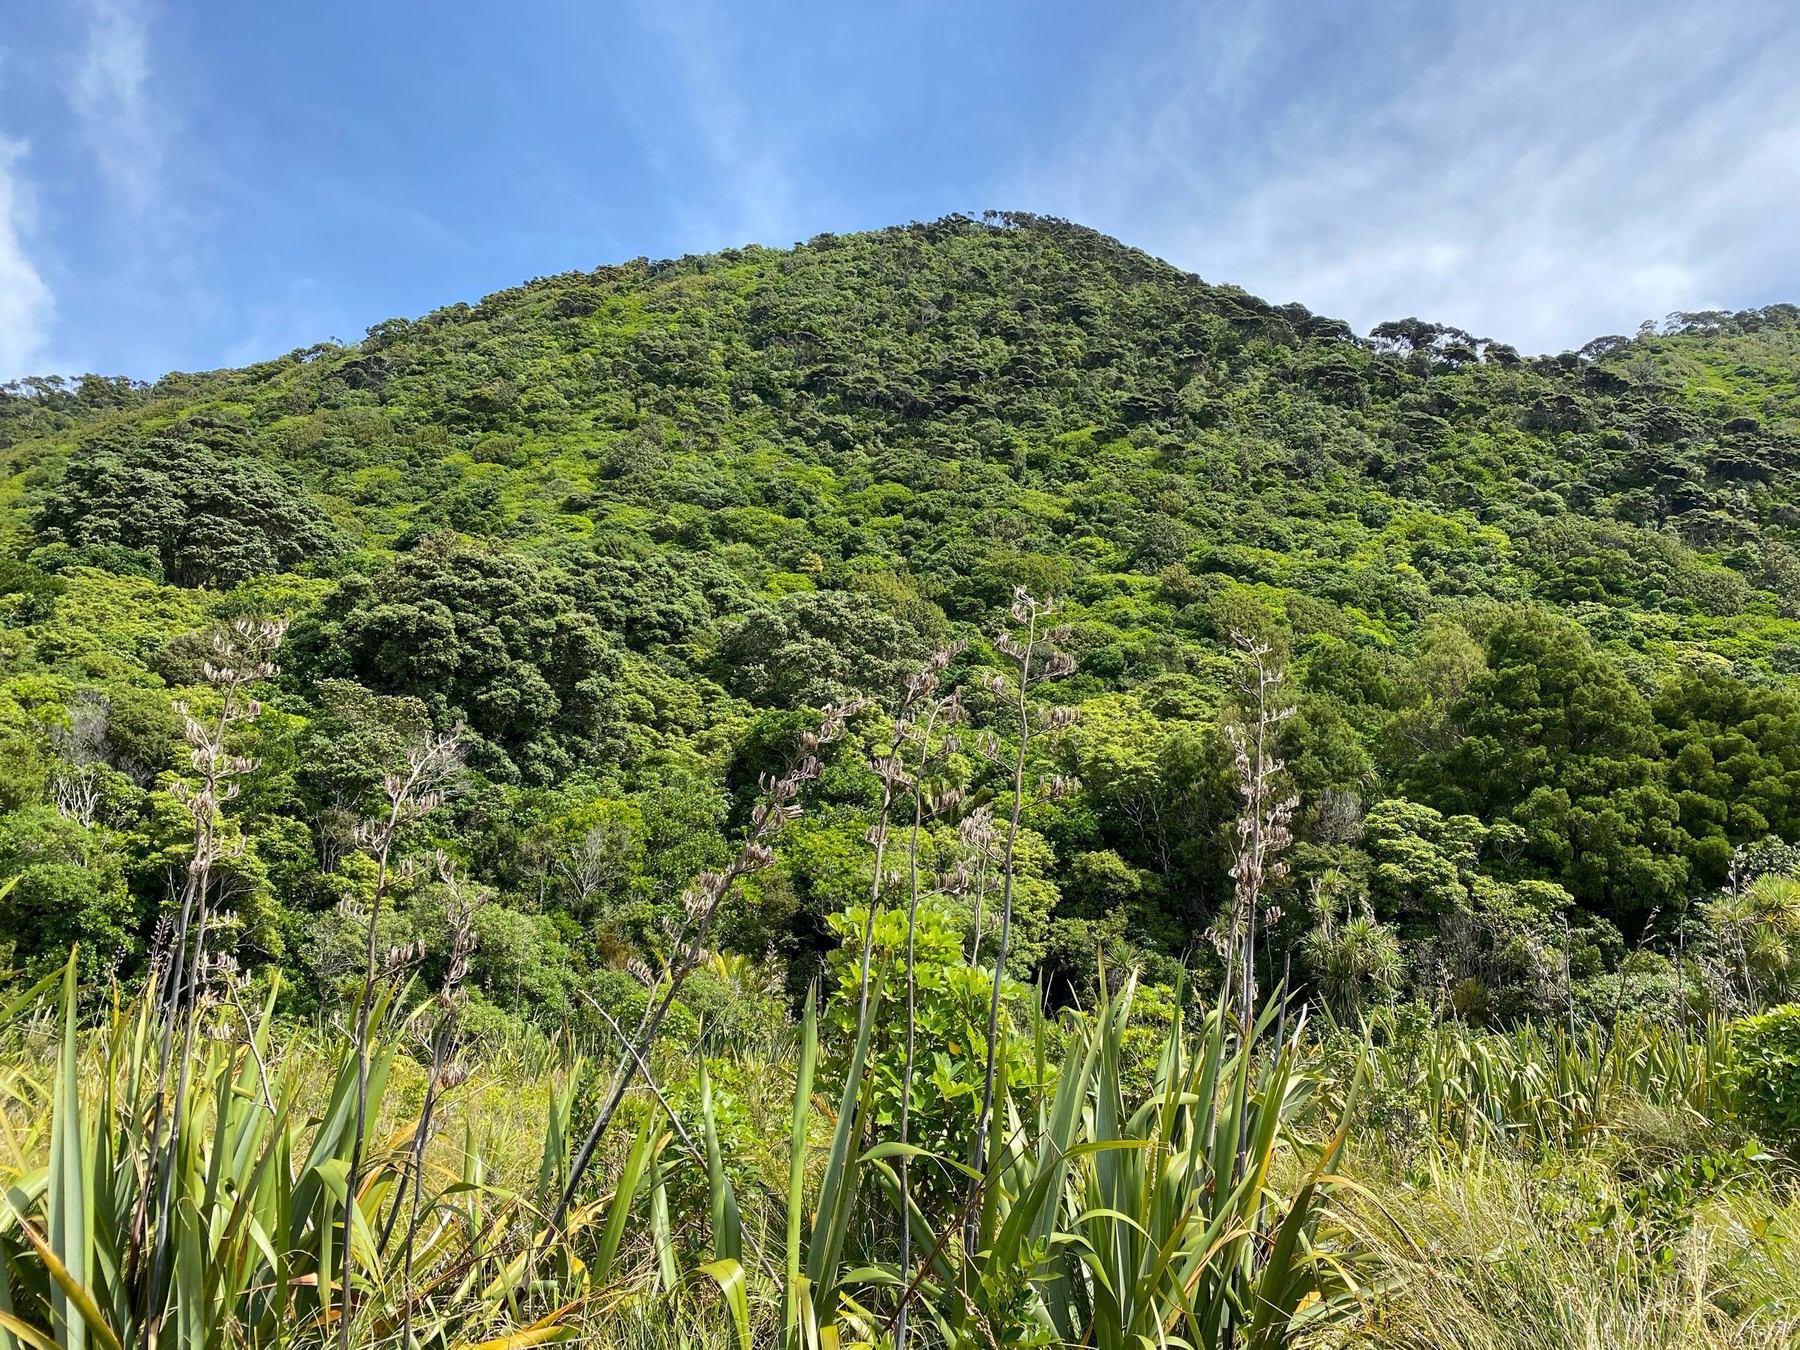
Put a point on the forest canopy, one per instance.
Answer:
(1538, 617)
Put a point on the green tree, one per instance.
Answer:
(207, 517)
(488, 639)
(1734, 764)
(68, 886)
(1756, 930)
(1354, 958)
(811, 648)
(1557, 740)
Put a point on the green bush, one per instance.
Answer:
(950, 1039)
(185, 511)
(1764, 1074)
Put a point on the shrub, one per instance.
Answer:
(1764, 1073)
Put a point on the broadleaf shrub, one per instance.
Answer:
(1765, 1073)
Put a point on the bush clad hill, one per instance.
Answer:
(1539, 620)
(543, 826)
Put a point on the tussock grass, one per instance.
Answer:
(1484, 1252)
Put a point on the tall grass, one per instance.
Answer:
(1176, 1184)
(1533, 1086)
(1487, 1251)
(1101, 1220)
(1539, 1188)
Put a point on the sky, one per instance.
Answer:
(191, 185)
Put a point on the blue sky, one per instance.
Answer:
(185, 186)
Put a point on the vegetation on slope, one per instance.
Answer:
(1542, 615)
(1454, 694)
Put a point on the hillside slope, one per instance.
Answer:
(619, 523)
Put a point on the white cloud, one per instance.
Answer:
(1536, 173)
(25, 299)
(746, 195)
(110, 96)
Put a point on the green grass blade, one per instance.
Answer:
(797, 1153)
(722, 1206)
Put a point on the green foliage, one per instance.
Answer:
(1557, 741)
(616, 523)
(1756, 931)
(487, 640)
(1764, 1073)
(195, 514)
(626, 528)
(951, 1010)
(68, 885)
(1156, 1178)
(1354, 958)
(1734, 763)
(812, 648)
(352, 740)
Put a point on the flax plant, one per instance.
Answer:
(414, 790)
(779, 807)
(928, 757)
(464, 902)
(1037, 657)
(238, 658)
(1264, 827)
(978, 836)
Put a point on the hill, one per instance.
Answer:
(1541, 617)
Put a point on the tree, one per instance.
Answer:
(1431, 691)
(1734, 764)
(490, 640)
(1463, 927)
(815, 647)
(1558, 742)
(68, 885)
(600, 847)
(351, 743)
(654, 599)
(208, 518)
(1354, 957)
(1159, 789)
(1423, 862)
(1756, 927)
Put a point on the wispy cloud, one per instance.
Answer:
(111, 99)
(26, 303)
(1539, 173)
(742, 192)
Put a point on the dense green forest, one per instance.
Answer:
(1540, 618)
(956, 786)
